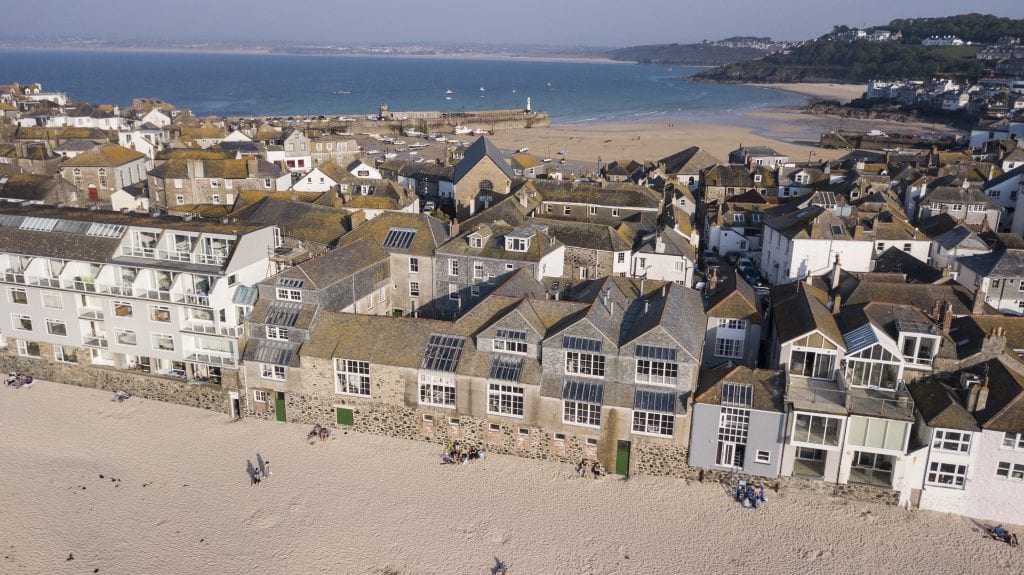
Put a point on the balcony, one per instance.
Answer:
(815, 395)
(43, 282)
(13, 277)
(211, 358)
(90, 313)
(80, 284)
(174, 256)
(96, 341)
(197, 299)
(884, 403)
(211, 329)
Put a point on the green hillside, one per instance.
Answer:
(686, 54)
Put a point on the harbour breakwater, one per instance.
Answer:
(397, 123)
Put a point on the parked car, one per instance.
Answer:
(429, 206)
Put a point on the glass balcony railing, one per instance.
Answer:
(175, 256)
(96, 341)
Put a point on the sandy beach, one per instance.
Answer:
(787, 130)
(820, 91)
(142, 487)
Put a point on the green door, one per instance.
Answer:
(279, 407)
(345, 416)
(622, 458)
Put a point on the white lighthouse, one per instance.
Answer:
(528, 104)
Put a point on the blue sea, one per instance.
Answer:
(282, 85)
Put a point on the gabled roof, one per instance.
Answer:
(1004, 409)
(108, 155)
(336, 265)
(430, 232)
(960, 237)
(688, 161)
(999, 264)
(299, 220)
(869, 290)
(940, 407)
(799, 309)
(767, 386)
(734, 298)
(895, 260)
(482, 148)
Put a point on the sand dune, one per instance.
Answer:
(143, 487)
(820, 91)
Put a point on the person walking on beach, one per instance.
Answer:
(256, 477)
(266, 469)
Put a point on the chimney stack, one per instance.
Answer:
(837, 302)
(252, 168)
(454, 227)
(982, 400)
(979, 302)
(947, 318)
(713, 281)
(937, 310)
(836, 273)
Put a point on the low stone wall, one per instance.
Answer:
(204, 396)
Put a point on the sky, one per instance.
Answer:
(551, 22)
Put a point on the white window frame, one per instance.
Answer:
(581, 413)
(947, 475)
(951, 441)
(654, 423)
(159, 336)
(273, 372)
(728, 347)
(288, 294)
(52, 323)
(12, 291)
(50, 295)
(763, 457)
(828, 421)
(277, 332)
(519, 347)
(478, 270)
(118, 332)
(260, 396)
(453, 267)
(656, 371)
(506, 400)
(1012, 440)
(351, 377)
(437, 390)
(414, 289)
(23, 348)
(16, 319)
(1004, 469)
(414, 265)
(59, 357)
(584, 364)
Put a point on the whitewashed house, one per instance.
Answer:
(999, 277)
(806, 242)
(956, 243)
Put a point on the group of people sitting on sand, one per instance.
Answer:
(1000, 533)
(120, 396)
(749, 496)
(457, 453)
(593, 467)
(319, 431)
(17, 380)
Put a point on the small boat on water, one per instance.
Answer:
(417, 146)
(482, 89)
(341, 92)
(461, 130)
(372, 152)
(390, 156)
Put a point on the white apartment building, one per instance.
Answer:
(128, 291)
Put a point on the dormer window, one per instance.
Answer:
(919, 349)
(476, 241)
(738, 218)
(757, 178)
(802, 178)
(517, 244)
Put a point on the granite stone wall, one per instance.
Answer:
(171, 390)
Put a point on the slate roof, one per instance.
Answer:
(939, 406)
(960, 237)
(1007, 263)
(895, 260)
(336, 265)
(798, 309)
(430, 232)
(218, 168)
(1004, 410)
(767, 386)
(688, 161)
(590, 236)
(27, 187)
(913, 294)
(620, 195)
(738, 176)
(810, 222)
(107, 155)
(970, 331)
(957, 195)
(540, 243)
(480, 149)
(734, 298)
(299, 220)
